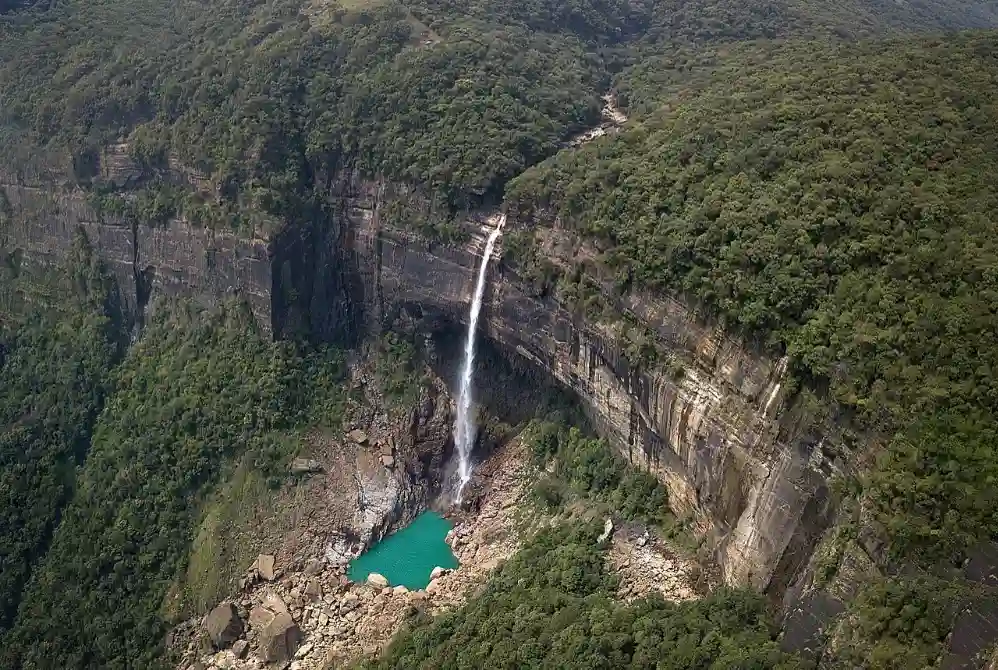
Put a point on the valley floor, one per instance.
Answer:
(340, 621)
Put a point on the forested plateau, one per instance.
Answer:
(816, 180)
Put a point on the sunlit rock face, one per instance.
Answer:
(714, 426)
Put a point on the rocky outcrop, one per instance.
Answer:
(341, 621)
(223, 625)
(713, 425)
(175, 259)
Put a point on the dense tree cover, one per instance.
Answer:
(54, 373)
(261, 99)
(838, 202)
(588, 467)
(258, 97)
(896, 624)
(943, 473)
(550, 606)
(194, 397)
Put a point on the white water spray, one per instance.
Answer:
(464, 427)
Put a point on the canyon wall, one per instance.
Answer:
(714, 427)
(44, 214)
(714, 433)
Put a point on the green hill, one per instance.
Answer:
(260, 95)
(836, 201)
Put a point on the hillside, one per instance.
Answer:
(262, 98)
(809, 176)
(836, 202)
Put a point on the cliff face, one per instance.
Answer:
(44, 215)
(713, 434)
(716, 434)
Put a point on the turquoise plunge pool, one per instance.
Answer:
(407, 556)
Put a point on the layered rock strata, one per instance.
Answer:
(713, 426)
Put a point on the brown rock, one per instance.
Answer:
(223, 625)
(264, 614)
(358, 436)
(240, 648)
(313, 567)
(313, 590)
(275, 603)
(265, 566)
(260, 617)
(388, 461)
(280, 639)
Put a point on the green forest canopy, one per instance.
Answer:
(193, 398)
(55, 370)
(837, 201)
(265, 97)
(551, 606)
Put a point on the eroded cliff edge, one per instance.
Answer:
(714, 425)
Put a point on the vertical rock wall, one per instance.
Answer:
(176, 259)
(711, 428)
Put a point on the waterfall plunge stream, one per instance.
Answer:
(464, 427)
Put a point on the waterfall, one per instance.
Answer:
(464, 427)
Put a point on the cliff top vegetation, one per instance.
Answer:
(837, 203)
(262, 100)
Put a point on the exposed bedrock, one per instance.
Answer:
(718, 433)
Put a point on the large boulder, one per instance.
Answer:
(263, 614)
(280, 639)
(223, 625)
(240, 648)
(375, 579)
(313, 590)
(265, 566)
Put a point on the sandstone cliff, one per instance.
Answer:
(716, 433)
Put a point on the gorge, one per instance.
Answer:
(714, 436)
(256, 307)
